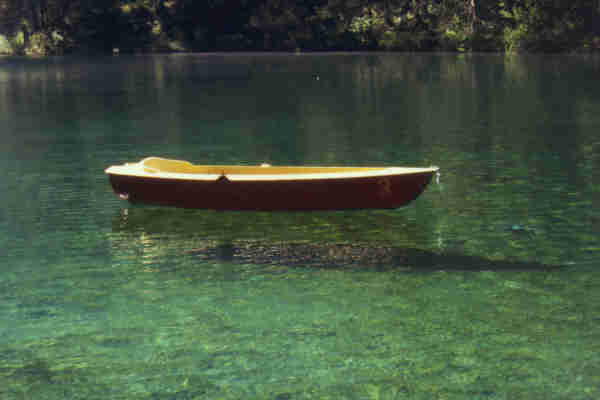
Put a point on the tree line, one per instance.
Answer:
(46, 27)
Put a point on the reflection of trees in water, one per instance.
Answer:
(346, 255)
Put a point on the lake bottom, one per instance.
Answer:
(125, 323)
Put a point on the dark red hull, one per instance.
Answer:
(315, 194)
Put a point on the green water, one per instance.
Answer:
(486, 287)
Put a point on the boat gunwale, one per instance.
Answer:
(141, 170)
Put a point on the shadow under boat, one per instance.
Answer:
(226, 240)
(356, 256)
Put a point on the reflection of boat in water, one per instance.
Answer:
(178, 183)
(185, 225)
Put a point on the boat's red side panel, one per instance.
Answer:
(324, 194)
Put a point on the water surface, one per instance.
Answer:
(485, 287)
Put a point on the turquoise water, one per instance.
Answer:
(485, 287)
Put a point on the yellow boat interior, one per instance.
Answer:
(157, 165)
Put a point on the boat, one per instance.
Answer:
(168, 182)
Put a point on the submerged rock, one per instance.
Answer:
(517, 228)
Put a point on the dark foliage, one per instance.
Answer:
(57, 26)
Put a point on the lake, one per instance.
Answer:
(485, 287)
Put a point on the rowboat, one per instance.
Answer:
(178, 183)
